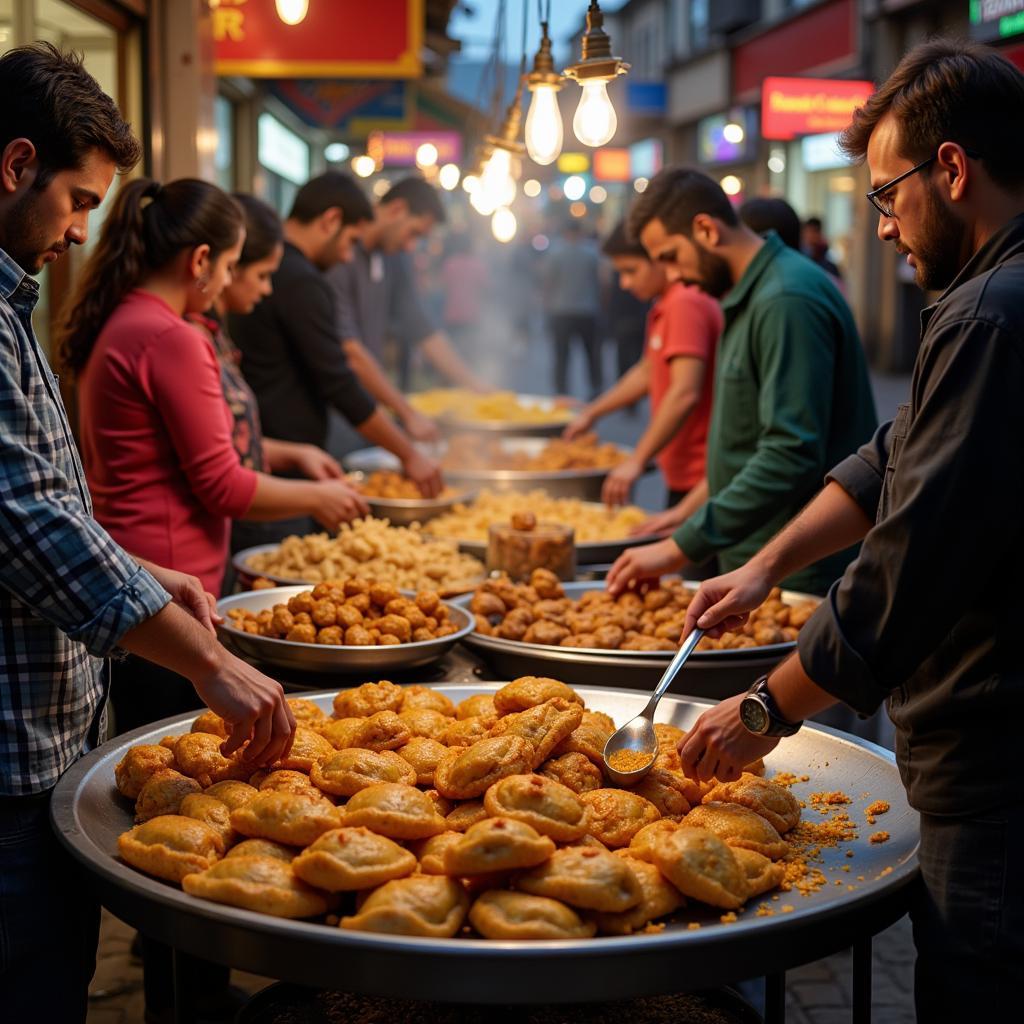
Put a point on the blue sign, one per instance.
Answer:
(646, 98)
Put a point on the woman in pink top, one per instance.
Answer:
(156, 432)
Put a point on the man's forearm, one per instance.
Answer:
(629, 389)
(174, 639)
(796, 695)
(381, 430)
(443, 357)
(832, 522)
(372, 376)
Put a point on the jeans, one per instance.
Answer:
(565, 327)
(49, 919)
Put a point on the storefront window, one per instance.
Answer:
(284, 157)
(699, 33)
(223, 158)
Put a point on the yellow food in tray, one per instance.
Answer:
(386, 483)
(496, 406)
(471, 452)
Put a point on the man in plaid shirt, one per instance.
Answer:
(69, 596)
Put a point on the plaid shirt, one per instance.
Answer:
(68, 593)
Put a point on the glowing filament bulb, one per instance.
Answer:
(544, 125)
(503, 224)
(595, 121)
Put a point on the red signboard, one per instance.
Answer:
(336, 39)
(809, 106)
(612, 165)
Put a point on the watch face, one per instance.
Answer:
(754, 715)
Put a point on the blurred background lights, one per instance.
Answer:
(531, 188)
(598, 194)
(426, 155)
(503, 224)
(364, 165)
(731, 185)
(574, 187)
(640, 184)
(448, 176)
(336, 152)
(733, 133)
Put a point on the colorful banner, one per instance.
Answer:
(809, 106)
(348, 108)
(336, 39)
(611, 164)
(398, 149)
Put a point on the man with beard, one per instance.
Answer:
(928, 616)
(791, 395)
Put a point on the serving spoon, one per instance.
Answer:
(638, 734)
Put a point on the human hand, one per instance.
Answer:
(336, 501)
(316, 464)
(188, 592)
(637, 565)
(664, 522)
(580, 425)
(425, 473)
(420, 427)
(724, 603)
(619, 482)
(253, 707)
(719, 745)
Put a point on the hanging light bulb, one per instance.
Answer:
(501, 168)
(291, 12)
(503, 224)
(544, 119)
(595, 121)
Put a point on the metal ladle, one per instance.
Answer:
(638, 733)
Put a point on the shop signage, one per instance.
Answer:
(646, 99)
(282, 151)
(992, 20)
(809, 106)
(645, 158)
(348, 108)
(611, 164)
(398, 149)
(712, 145)
(336, 39)
(573, 163)
(821, 152)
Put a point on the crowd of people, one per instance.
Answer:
(209, 342)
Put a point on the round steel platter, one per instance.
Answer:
(328, 657)
(88, 814)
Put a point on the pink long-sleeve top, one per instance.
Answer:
(155, 432)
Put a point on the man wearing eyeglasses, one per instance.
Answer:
(928, 617)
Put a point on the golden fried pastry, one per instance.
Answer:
(232, 793)
(466, 814)
(574, 770)
(430, 852)
(347, 859)
(198, 756)
(497, 844)
(738, 826)
(552, 809)
(501, 914)
(341, 732)
(667, 790)
(442, 804)
(762, 874)
(669, 736)
(169, 741)
(528, 691)
(660, 897)
(422, 754)
(423, 697)
(775, 803)
(642, 845)
(464, 732)
(425, 722)
(306, 712)
(585, 877)
(170, 846)
(162, 794)
(346, 772)
(368, 699)
(544, 725)
(263, 848)
(307, 748)
(479, 706)
(284, 780)
(588, 738)
(430, 905)
(616, 815)
(264, 884)
(139, 763)
(701, 866)
(394, 810)
(598, 719)
(209, 721)
(383, 730)
(295, 819)
(466, 773)
(212, 812)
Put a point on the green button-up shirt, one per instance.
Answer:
(792, 398)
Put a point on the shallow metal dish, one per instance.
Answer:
(88, 815)
(406, 511)
(325, 657)
(247, 574)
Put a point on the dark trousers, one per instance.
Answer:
(49, 919)
(565, 327)
(968, 918)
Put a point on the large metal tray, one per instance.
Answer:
(325, 657)
(89, 815)
(247, 574)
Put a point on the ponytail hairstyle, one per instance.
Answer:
(263, 229)
(148, 225)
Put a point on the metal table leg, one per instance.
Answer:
(775, 998)
(862, 981)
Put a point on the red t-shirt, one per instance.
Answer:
(683, 322)
(165, 478)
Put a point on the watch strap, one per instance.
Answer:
(779, 726)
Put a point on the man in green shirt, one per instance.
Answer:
(792, 396)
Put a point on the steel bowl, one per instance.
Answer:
(406, 511)
(327, 657)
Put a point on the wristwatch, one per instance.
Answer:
(760, 715)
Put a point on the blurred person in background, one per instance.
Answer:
(377, 298)
(626, 320)
(676, 370)
(816, 246)
(465, 282)
(572, 301)
(770, 213)
(292, 357)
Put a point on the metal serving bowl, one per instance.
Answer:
(328, 657)
(406, 511)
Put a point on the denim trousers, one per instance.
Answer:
(49, 919)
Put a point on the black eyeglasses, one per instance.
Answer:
(876, 196)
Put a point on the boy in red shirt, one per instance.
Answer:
(676, 370)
